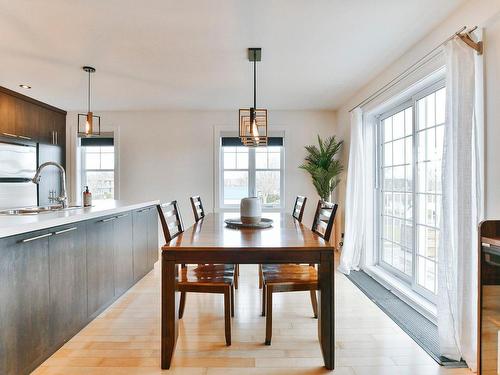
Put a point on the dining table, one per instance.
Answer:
(210, 240)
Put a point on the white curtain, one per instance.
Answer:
(457, 254)
(355, 198)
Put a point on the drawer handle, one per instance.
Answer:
(23, 137)
(36, 237)
(10, 135)
(108, 219)
(65, 230)
(120, 216)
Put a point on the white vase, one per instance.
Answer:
(250, 210)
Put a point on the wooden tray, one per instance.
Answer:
(236, 223)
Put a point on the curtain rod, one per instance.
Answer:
(422, 61)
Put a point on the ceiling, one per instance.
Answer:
(191, 54)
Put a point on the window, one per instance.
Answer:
(410, 151)
(249, 171)
(98, 168)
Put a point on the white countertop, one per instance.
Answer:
(11, 225)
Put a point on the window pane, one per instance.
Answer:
(92, 160)
(388, 154)
(387, 128)
(398, 152)
(421, 113)
(431, 110)
(107, 160)
(398, 257)
(387, 183)
(267, 185)
(235, 186)
(387, 252)
(242, 160)
(229, 160)
(398, 125)
(261, 160)
(408, 121)
(398, 182)
(274, 160)
(101, 184)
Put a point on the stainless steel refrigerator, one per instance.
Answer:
(18, 163)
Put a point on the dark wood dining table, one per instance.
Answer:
(211, 241)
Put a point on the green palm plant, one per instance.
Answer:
(322, 165)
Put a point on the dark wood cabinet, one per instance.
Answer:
(68, 281)
(53, 282)
(124, 253)
(100, 264)
(24, 118)
(141, 251)
(153, 244)
(24, 296)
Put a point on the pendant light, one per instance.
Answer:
(90, 125)
(253, 121)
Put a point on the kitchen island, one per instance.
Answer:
(59, 270)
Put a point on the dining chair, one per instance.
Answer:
(203, 278)
(199, 213)
(296, 277)
(297, 213)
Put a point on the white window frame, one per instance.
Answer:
(406, 102)
(83, 170)
(219, 173)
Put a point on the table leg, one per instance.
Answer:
(326, 310)
(169, 306)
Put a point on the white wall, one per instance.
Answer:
(485, 14)
(170, 155)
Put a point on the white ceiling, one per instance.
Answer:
(191, 54)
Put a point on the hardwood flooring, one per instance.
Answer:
(125, 339)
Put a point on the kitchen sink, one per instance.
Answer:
(37, 210)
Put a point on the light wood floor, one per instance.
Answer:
(125, 338)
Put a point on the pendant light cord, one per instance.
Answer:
(254, 80)
(89, 93)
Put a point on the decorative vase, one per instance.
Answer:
(250, 210)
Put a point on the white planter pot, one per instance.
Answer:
(250, 210)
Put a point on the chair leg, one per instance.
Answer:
(314, 302)
(182, 304)
(260, 277)
(269, 313)
(227, 315)
(232, 301)
(264, 300)
(236, 274)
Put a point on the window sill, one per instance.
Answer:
(404, 292)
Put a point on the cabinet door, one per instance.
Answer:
(141, 253)
(7, 115)
(124, 253)
(24, 296)
(68, 282)
(100, 264)
(153, 243)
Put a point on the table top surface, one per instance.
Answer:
(211, 233)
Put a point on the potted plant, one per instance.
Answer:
(323, 166)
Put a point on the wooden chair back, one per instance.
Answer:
(323, 219)
(298, 207)
(198, 211)
(170, 219)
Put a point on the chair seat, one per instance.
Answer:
(207, 273)
(289, 273)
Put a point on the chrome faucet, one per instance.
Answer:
(63, 199)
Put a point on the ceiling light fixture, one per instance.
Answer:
(88, 126)
(25, 86)
(253, 121)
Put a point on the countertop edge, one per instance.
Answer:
(81, 214)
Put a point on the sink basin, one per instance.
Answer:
(36, 210)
